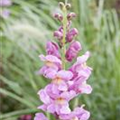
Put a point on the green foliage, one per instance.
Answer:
(23, 38)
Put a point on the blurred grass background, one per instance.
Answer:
(23, 36)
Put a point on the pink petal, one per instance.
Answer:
(50, 73)
(65, 110)
(85, 115)
(40, 116)
(66, 75)
(63, 86)
(83, 58)
(85, 88)
(44, 97)
(68, 95)
(51, 108)
(43, 107)
(42, 57)
(53, 59)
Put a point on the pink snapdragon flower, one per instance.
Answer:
(81, 66)
(78, 114)
(52, 64)
(59, 79)
(65, 82)
(55, 102)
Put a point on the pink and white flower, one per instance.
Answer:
(40, 116)
(78, 114)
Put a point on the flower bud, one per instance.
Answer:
(25, 117)
(73, 50)
(58, 17)
(58, 35)
(71, 15)
(52, 49)
(60, 29)
(61, 4)
(68, 6)
(71, 34)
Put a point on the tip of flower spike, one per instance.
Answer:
(61, 4)
(68, 6)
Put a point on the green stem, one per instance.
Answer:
(66, 1)
(64, 35)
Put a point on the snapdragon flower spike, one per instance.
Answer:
(65, 83)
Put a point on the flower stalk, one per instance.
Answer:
(64, 35)
(66, 83)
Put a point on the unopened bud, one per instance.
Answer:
(58, 35)
(61, 4)
(68, 6)
(73, 50)
(71, 15)
(71, 34)
(58, 17)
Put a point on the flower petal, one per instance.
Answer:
(65, 110)
(85, 88)
(40, 116)
(51, 108)
(66, 75)
(44, 96)
(83, 58)
(63, 86)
